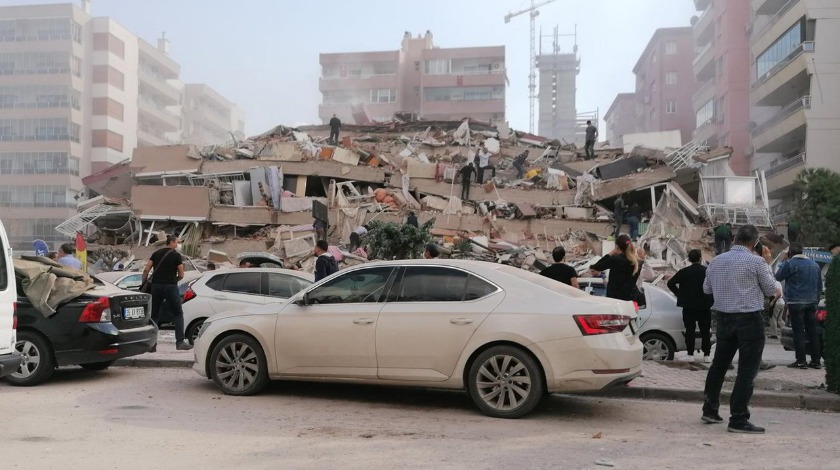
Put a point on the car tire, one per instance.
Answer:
(658, 347)
(238, 365)
(505, 382)
(38, 365)
(191, 333)
(97, 365)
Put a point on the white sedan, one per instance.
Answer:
(237, 288)
(505, 335)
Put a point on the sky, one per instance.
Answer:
(263, 54)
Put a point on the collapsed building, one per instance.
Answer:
(258, 194)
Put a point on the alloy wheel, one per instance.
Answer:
(237, 366)
(656, 350)
(503, 382)
(31, 359)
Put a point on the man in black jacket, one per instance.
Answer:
(325, 264)
(687, 285)
(335, 128)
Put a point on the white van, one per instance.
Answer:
(9, 358)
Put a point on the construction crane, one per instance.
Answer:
(532, 76)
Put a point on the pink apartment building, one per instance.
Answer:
(722, 69)
(620, 119)
(419, 78)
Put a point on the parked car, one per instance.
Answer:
(133, 280)
(660, 319)
(787, 331)
(237, 288)
(10, 359)
(94, 330)
(505, 335)
(260, 259)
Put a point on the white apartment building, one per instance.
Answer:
(795, 92)
(209, 117)
(77, 94)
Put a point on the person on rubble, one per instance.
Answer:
(624, 267)
(335, 128)
(431, 251)
(591, 137)
(519, 164)
(723, 237)
(560, 271)
(412, 220)
(482, 159)
(687, 285)
(325, 264)
(467, 172)
(634, 216)
(618, 214)
(356, 237)
(320, 228)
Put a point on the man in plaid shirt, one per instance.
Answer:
(739, 281)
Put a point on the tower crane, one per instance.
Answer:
(532, 76)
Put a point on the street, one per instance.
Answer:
(162, 418)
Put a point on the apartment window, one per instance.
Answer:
(671, 107)
(384, 68)
(478, 93)
(671, 78)
(38, 129)
(671, 48)
(40, 29)
(438, 67)
(478, 69)
(109, 139)
(780, 50)
(35, 196)
(35, 63)
(383, 95)
(38, 163)
(705, 114)
(39, 96)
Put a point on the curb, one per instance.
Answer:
(827, 402)
(151, 363)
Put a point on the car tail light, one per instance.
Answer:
(188, 295)
(821, 315)
(636, 305)
(601, 324)
(95, 312)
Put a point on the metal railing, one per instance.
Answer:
(710, 83)
(784, 113)
(807, 46)
(775, 18)
(779, 166)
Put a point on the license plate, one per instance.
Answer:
(134, 313)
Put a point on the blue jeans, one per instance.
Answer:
(173, 299)
(520, 170)
(742, 333)
(633, 222)
(803, 321)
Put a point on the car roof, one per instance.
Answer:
(290, 272)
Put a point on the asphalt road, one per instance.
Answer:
(129, 418)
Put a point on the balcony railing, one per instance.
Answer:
(701, 53)
(357, 77)
(775, 19)
(703, 89)
(784, 113)
(779, 166)
(807, 46)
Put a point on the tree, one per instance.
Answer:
(831, 331)
(818, 212)
(389, 240)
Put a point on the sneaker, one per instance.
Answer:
(766, 366)
(183, 346)
(815, 365)
(798, 365)
(711, 418)
(745, 428)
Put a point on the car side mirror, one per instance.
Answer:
(303, 300)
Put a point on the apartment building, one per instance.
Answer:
(209, 117)
(419, 78)
(795, 91)
(665, 83)
(620, 119)
(721, 68)
(77, 94)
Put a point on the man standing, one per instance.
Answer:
(168, 270)
(519, 164)
(466, 178)
(739, 281)
(483, 157)
(320, 229)
(560, 271)
(803, 287)
(723, 237)
(687, 285)
(67, 258)
(412, 220)
(591, 137)
(325, 264)
(335, 128)
(634, 215)
(618, 214)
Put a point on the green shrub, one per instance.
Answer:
(389, 240)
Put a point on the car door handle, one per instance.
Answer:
(363, 321)
(461, 321)
(220, 297)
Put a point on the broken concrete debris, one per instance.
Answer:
(257, 194)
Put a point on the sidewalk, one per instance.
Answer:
(680, 379)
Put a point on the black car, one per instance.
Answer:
(94, 330)
(787, 331)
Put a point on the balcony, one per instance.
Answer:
(155, 112)
(784, 131)
(706, 92)
(768, 7)
(708, 134)
(787, 80)
(781, 174)
(156, 85)
(702, 5)
(704, 64)
(473, 79)
(358, 82)
(777, 25)
(150, 138)
(703, 29)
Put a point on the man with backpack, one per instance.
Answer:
(325, 264)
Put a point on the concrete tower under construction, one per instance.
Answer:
(557, 89)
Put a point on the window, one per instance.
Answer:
(671, 107)
(438, 67)
(281, 285)
(706, 113)
(432, 284)
(478, 288)
(131, 282)
(216, 282)
(383, 95)
(384, 68)
(670, 48)
(361, 285)
(243, 283)
(780, 50)
(38, 163)
(36, 196)
(19, 130)
(4, 281)
(35, 63)
(475, 93)
(671, 78)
